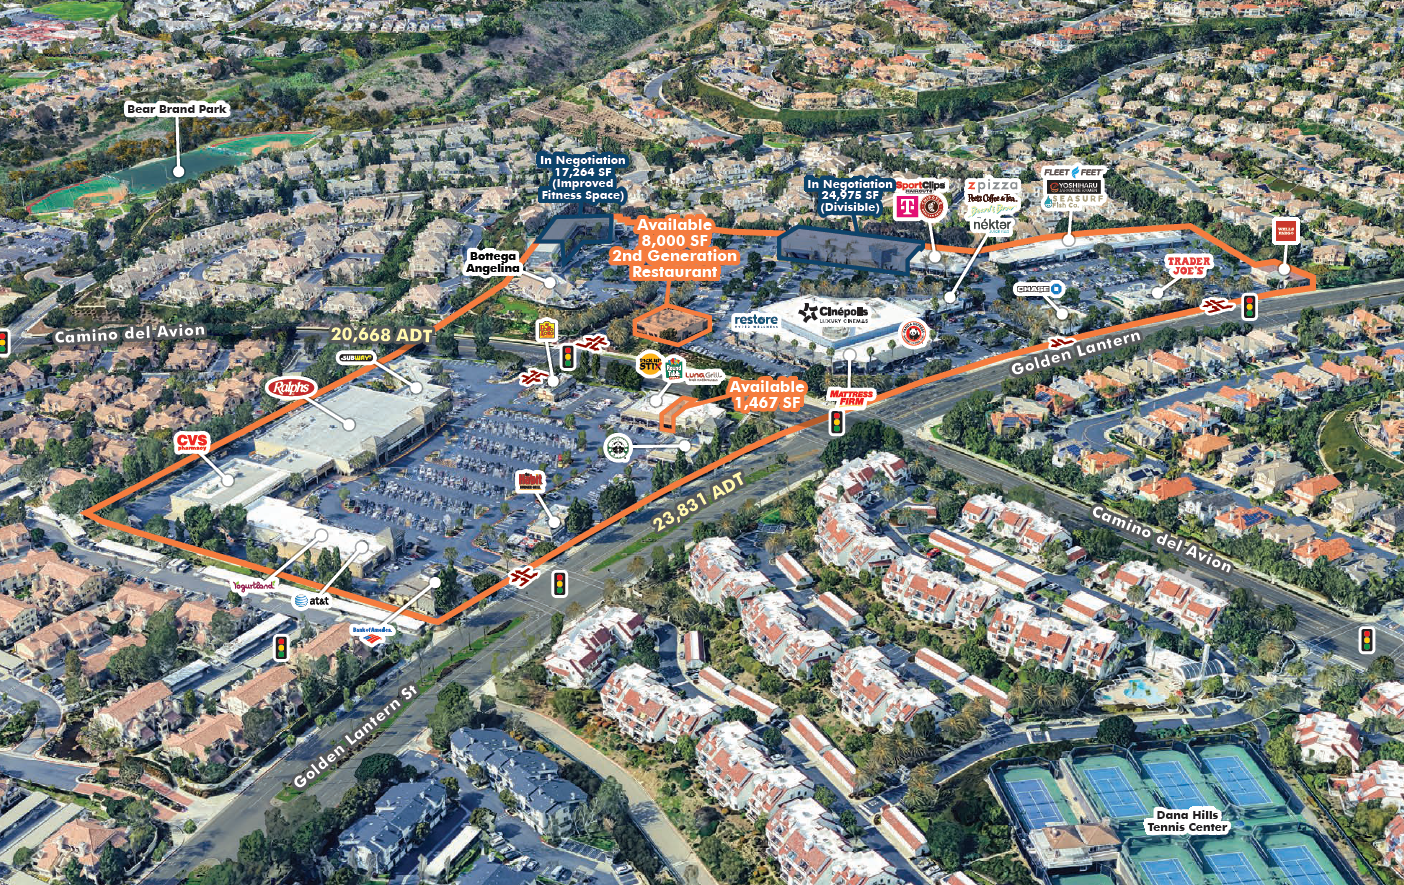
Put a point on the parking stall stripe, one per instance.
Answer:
(92, 512)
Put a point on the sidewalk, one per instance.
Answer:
(671, 844)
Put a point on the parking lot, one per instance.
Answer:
(456, 488)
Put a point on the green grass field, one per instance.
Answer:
(1342, 448)
(77, 10)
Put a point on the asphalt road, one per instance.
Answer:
(219, 837)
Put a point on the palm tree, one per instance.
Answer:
(1066, 696)
(1241, 684)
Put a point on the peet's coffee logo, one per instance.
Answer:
(836, 314)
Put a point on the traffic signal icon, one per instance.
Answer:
(4, 343)
(280, 647)
(1367, 640)
(1250, 307)
(836, 422)
(560, 584)
(568, 357)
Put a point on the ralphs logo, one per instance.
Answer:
(372, 634)
(754, 322)
(836, 314)
(290, 387)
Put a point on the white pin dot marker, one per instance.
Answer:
(684, 445)
(321, 535)
(554, 381)
(179, 170)
(1284, 269)
(414, 386)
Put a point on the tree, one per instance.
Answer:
(1119, 731)
(383, 767)
(447, 594)
(610, 801)
(260, 726)
(1282, 750)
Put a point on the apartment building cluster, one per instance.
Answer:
(718, 572)
(368, 16)
(780, 638)
(860, 480)
(585, 651)
(848, 540)
(1026, 526)
(378, 841)
(871, 694)
(937, 597)
(647, 711)
(1184, 599)
(1325, 738)
(1018, 631)
(545, 801)
(1315, 79)
(806, 841)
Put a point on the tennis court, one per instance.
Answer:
(1301, 865)
(1116, 792)
(1036, 796)
(1238, 781)
(1234, 869)
(1170, 772)
(1169, 871)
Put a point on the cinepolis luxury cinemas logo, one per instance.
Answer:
(837, 314)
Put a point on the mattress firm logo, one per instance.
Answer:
(835, 314)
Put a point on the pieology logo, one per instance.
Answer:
(754, 322)
(836, 314)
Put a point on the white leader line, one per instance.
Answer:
(434, 583)
(974, 256)
(361, 547)
(414, 386)
(318, 537)
(346, 423)
(224, 479)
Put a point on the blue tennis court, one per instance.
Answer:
(1166, 872)
(1035, 803)
(1233, 869)
(1300, 866)
(1174, 784)
(1237, 780)
(1115, 792)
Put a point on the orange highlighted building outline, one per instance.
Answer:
(94, 512)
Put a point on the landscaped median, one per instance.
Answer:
(351, 742)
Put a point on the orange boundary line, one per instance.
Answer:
(993, 359)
